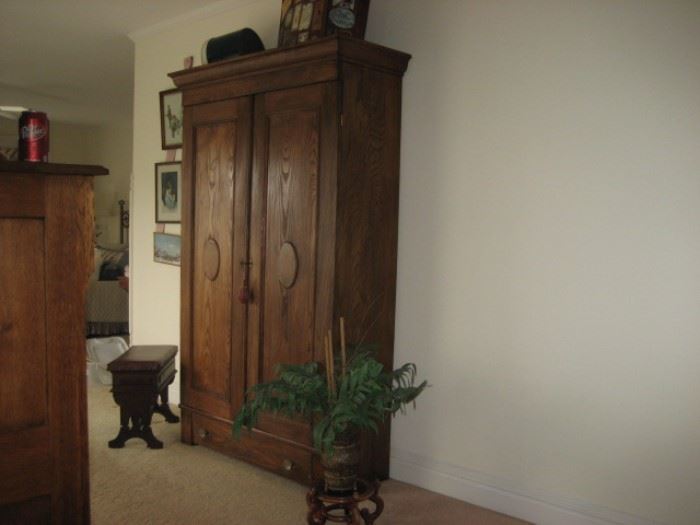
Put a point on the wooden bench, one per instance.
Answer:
(139, 377)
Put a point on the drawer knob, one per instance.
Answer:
(288, 465)
(203, 434)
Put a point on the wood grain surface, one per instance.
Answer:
(51, 168)
(216, 172)
(312, 62)
(310, 207)
(23, 374)
(367, 224)
(45, 257)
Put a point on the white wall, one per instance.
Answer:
(108, 145)
(549, 258)
(549, 261)
(112, 145)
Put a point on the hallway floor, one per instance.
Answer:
(181, 484)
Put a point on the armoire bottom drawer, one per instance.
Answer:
(258, 448)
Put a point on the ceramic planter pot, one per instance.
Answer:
(341, 466)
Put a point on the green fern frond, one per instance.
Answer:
(365, 395)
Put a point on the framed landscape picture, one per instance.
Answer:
(168, 192)
(171, 119)
(166, 248)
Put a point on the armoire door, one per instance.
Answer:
(216, 178)
(292, 234)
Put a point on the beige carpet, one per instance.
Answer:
(181, 484)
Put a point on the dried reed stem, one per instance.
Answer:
(327, 352)
(343, 355)
(330, 345)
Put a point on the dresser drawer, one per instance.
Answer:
(281, 457)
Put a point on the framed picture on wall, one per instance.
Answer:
(166, 248)
(171, 119)
(168, 192)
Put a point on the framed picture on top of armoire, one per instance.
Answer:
(303, 20)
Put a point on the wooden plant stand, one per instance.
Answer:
(140, 376)
(325, 507)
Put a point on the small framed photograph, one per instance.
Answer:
(171, 119)
(167, 248)
(168, 192)
(304, 20)
(301, 20)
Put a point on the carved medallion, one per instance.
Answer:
(287, 265)
(211, 259)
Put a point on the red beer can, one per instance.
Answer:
(34, 136)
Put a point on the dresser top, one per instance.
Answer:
(50, 168)
(336, 48)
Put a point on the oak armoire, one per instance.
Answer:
(46, 257)
(290, 218)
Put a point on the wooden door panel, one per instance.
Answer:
(24, 423)
(215, 230)
(291, 211)
(213, 242)
(292, 225)
(26, 469)
(23, 378)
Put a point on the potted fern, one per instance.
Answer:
(352, 392)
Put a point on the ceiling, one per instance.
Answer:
(73, 58)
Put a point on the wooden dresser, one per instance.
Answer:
(290, 217)
(46, 255)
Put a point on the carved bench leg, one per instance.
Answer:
(142, 427)
(140, 410)
(124, 432)
(150, 439)
(164, 408)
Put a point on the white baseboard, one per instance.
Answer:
(501, 495)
